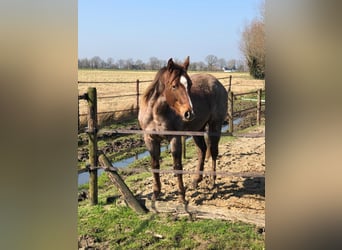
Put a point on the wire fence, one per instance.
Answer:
(250, 174)
(136, 94)
(92, 131)
(131, 101)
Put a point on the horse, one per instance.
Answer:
(174, 101)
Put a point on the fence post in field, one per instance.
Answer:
(92, 135)
(259, 106)
(138, 95)
(230, 111)
(183, 146)
(230, 83)
(78, 114)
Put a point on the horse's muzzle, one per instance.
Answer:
(189, 115)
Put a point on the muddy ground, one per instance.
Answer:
(233, 197)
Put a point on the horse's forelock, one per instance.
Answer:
(157, 87)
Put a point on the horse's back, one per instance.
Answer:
(209, 95)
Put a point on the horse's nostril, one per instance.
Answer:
(189, 115)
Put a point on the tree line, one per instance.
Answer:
(212, 63)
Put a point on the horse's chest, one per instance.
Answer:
(162, 124)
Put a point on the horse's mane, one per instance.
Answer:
(154, 89)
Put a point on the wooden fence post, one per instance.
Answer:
(184, 146)
(230, 111)
(230, 83)
(121, 186)
(78, 114)
(137, 87)
(92, 134)
(259, 107)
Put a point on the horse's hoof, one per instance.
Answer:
(211, 185)
(182, 200)
(195, 182)
(155, 195)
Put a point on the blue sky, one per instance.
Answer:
(142, 29)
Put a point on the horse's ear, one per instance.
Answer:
(170, 65)
(186, 63)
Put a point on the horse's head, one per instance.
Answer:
(177, 87)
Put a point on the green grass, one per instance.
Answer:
(118, 227)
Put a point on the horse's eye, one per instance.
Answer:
(174, 87)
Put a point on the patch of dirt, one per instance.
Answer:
(233, 197)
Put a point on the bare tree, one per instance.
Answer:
(253, 47)
(96, 62)
(129, 63)
(139, 64)
(211, 61)
(231, 64)
(155, 63)
(83, 63)
(241, 66)
(121, 63)
(222, 63)
(110, 62)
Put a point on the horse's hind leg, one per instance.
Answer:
(201, 151)
(213, 146)
(176, 150)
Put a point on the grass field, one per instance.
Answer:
(126, 85)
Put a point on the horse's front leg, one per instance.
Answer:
(201, 151)
(153, 147)
(176, 150)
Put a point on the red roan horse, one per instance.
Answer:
(174, 101)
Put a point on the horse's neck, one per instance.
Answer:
(162, 117)
(161, 109)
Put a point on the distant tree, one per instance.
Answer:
(139, 64)
(197, 66)
(155, 63)
(110, 63)
(192, 66)
(121, 63)
(129, 63)
(241, 66)
(231, 64)
(253, 46)
(211, 61)
(222, 63)
(96, 62)
(83, 63)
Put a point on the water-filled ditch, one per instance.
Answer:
(84, 177)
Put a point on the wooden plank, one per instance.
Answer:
(246, 93)
(121, 186)
(205, 212)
